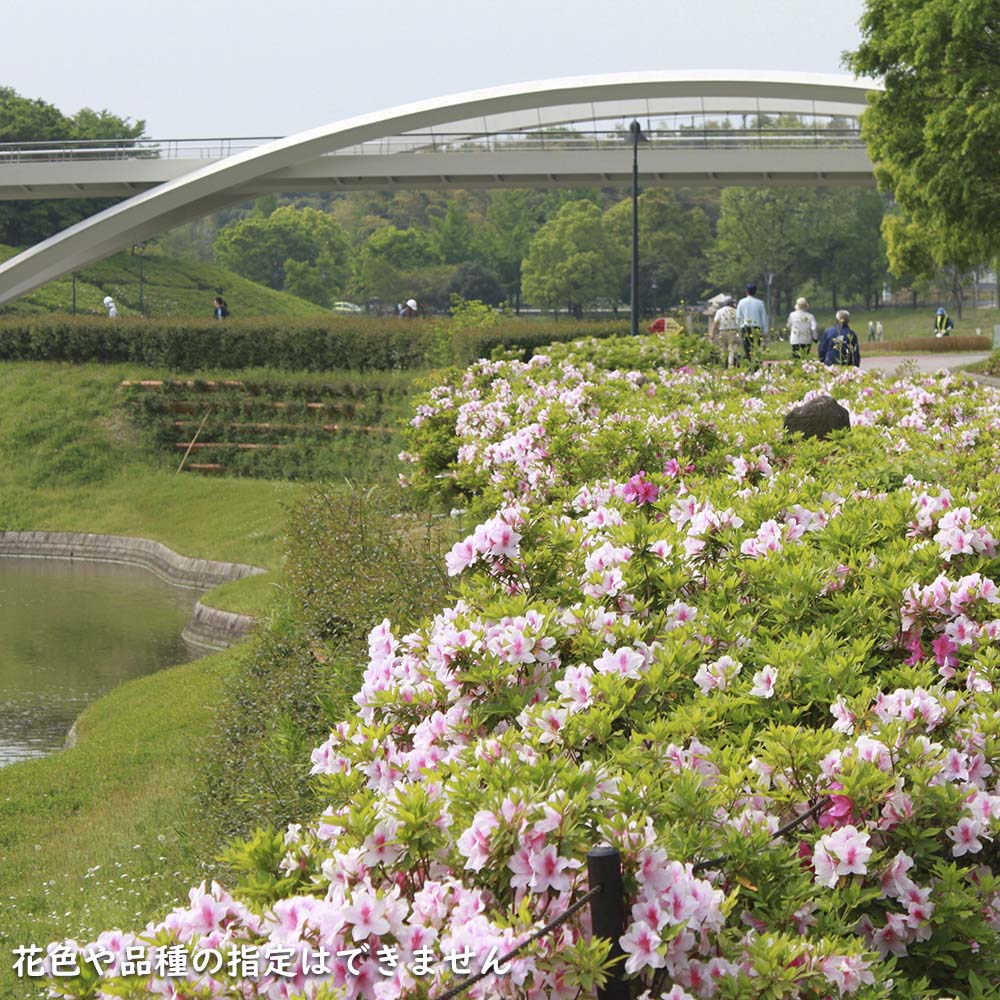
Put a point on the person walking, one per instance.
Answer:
(839, 343)
(942, 324)
(871, 331)
(723, 332)
(751, 318)
(802, 329)
(221, 309)
(879, 332)
(109, 304)
(409, 311)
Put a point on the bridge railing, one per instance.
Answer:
(589, 139)
(55, 150)
(534, 140)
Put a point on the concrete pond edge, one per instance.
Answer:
(209, 628)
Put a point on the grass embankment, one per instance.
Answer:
(93, 836)
(170, 287)
(73, 461)
(106, 833)
(98, 836)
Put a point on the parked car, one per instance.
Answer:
(347, 307)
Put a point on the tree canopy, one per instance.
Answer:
(572, 261)
(932, 133)
(303, 251)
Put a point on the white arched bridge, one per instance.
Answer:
(708, 128)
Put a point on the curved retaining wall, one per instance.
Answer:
(207, 626)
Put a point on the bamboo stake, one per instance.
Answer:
(192, 442)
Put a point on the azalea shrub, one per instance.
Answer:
(763, 668)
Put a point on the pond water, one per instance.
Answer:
(71, 631)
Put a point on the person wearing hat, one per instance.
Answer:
(751, 318)
(109, 304)
(942, 324)
(409, 310)
(839, 344)
(802, 329)
(723, 332)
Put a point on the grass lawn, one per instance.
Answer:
(73, 461)
(105, 834)
(99, 836)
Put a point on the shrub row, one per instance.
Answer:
(287, 345)
(934, 345)
(328, 343)
(307, 659)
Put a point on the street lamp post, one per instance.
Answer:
(637, 137)
(139, 248)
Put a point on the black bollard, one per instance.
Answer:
(607, 915)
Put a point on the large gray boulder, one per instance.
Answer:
(817, 417)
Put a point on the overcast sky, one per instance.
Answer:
(200, 68)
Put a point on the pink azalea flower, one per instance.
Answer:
(549, 870)
(965, 835)
(763, 682)
(641, 943)
(844, 852)
(639, 490)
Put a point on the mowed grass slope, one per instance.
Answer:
(101, 835)
(105, 833)
(170, 287)
(74, 461)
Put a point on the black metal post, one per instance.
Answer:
(636, 131)
(74, 293)
(607, 914)
(141, 248)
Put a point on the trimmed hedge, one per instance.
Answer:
(927, 345)
(328, 343)
(191, 345)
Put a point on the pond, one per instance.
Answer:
(71, 631)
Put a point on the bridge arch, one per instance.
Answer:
(497, 137)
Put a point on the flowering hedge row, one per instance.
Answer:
(675, 631)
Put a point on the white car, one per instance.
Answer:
(347, 307)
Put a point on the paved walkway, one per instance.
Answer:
(924, 362)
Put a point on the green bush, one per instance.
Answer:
(348, 343)
(345, 547)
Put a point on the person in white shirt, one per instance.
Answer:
(724, 332)
(802, 329)
(751, 318)
(109, 304)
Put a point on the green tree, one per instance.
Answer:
(404, 249)
(512, 218)
(398, 264)
(673, 241)
(260, 248)
(760, 236)
(572, 260)
(473, 282)
(921, 252)
(452, 236)
(932, 133)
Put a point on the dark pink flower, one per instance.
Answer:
(639, 490)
